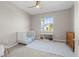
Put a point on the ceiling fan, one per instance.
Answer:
(37, 5)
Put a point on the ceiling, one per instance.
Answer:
(46, 6)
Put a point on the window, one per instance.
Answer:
(47, 24)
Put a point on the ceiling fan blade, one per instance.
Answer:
(31, 6)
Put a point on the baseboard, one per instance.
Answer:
(10, 45)
(64, 41)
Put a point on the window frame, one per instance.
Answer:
(45, 24)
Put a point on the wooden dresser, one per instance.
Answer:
(70, 39)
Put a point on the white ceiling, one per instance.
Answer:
(46, 6)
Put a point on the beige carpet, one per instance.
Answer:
(23, 51)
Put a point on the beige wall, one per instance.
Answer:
(12, 20)
(63, 23)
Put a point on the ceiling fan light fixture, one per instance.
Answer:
(37, 6)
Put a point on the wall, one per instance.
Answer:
(76, 21)
(63, 23)
(12, 20)
(72, 19)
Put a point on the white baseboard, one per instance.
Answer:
(11, 45)
(59, 40)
